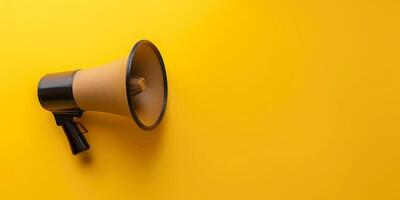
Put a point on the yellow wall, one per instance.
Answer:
(267, 100)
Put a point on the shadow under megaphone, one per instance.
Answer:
(116, 133)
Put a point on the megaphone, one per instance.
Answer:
(135, 87)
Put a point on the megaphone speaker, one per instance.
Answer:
(135, 87)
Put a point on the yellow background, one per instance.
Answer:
(267, 100)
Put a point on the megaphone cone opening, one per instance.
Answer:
(148, 106)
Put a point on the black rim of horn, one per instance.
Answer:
(128, 89)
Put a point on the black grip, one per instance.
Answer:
(75, 137)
